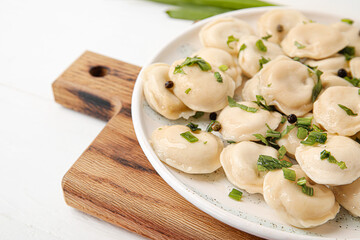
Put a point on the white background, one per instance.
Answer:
(40, 140)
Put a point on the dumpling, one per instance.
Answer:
(162, 99)
(334, 107)
(349, 197)
(284, 83)
(202, 156)
(313, 40)
(250, 56)
(239, 162)
(355, 67)
(321, 171)
(201, 90)
(216, 33)
(240, 125)
(295, 207)
(217, 57)
(331, 65)
(278, 22)
(351, 33)
(329, 79)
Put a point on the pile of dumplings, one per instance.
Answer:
(290, 69)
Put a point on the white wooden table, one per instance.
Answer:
(40, 140)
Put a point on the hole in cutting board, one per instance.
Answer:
(99, 71)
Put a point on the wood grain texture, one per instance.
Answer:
(112, 179)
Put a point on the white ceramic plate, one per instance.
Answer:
(210, 192)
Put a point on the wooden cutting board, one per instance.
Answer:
(113, 180)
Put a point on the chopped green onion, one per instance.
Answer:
(317, 128)
(315, 137)
(289, 174)
(331, 159)
(193, 126)
(348, 52)
(204, 66)
(318, 86)
(195, 12)
(302, 133)
(353, 81)
(243, 46)
(359, 91)
(230, 141)
(205, 142)
(263, 61)
(287, 130)
(266, 163)
(230, 40)
(235, 194)
(281, 152)
(267, 37)
(261, 138)
(218, 77)
(299, 45)
(347, 20)
(189, 137)
(305, 189)
(223, 68)
(260, 45)
(233, 103)
(213, 126)
(272, 133)
(347, 110)
(296, 59)
(198, 115)
(283, 119)
(305, 121)
(260, 101)
(187, 90)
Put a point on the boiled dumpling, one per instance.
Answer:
(240, 125)
(351, 33)
(313, 40)
(284, 83)
(239, 162)
(161, 99)
(334, 118)
(321, 171)
(331, 65)
(355, 67)
(202, 156)
(349, 197)
(329, 79)
(278, 22)
(217, 57)
(295, 207)
(216, 33)
(250, 56)
(201, 90)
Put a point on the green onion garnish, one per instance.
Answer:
(347, 110)
(302, 133)
(263, 61)
(272, 133)
(260, 45)
(213, 126)
(230, 40)
(260, 101)
(347, 20)
(353, 81)
(193, 126)
(331, 159)
(267, 37)
(283, 119)
(198, 115)
(187, 90)
(205, 142)
(266, 163)
(218, 77)
(315, 137)
(242, 47)
(281, 152)
(305, 189)
(189, 137)
(305, 121)
(318, 86)
(348, 52)
(289, 174)
(235, 194)
(261, 138)
(299, 45)
(230, 141)
(287, 130)
(204, 66)
(223, 68)
(233, 103)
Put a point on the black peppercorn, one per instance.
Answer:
(216, 126)
(292, 118)
(169, 84)
(342, 73)
(213, 116)
(280, 28)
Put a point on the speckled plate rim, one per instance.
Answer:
(176, 184)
